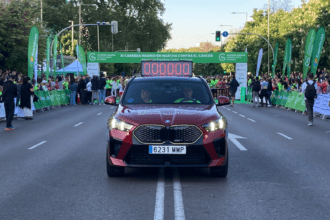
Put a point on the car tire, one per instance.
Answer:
(114, 171)
(220, 171)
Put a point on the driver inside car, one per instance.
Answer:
(145, 95)
(187, 92)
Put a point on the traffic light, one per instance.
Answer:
(218, 36)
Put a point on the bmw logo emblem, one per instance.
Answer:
(167, 121)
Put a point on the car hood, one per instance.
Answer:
(167, 114)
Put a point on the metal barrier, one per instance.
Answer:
(220, 92)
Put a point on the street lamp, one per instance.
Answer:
(72, 36)
(241, 13)
(98, 32)
(80, 19)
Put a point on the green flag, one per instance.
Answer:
(285, 58)
(275, 59)
(32, 50)
(62, 62)
(48, 58)
(308, 51)
(55, 55)
(81, 58)
(289, 51)
(317, 49)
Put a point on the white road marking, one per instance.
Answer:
(99, 113)
(284, 135)
(233, 138)
(37, 145)
(235, 112)
(251, 119)
(242, 115)
(160, 196)
(178, 201)
(78, 124)
(228, 109)
(223, 107)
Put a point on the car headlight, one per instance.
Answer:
(218, 124)
(119, 125)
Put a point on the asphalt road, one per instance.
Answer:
(54, 168)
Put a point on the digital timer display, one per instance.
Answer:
(166, 68)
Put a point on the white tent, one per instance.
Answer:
(72, 68)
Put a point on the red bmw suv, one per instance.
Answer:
(167, 122)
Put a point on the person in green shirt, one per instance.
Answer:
(66, 83)
(249, 82)
(107, 87)
(187, 92)
(145, 95)
(213, 82)
(216, 81)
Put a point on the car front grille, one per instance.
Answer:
(156, 134)
(150, 134)
(139, 155)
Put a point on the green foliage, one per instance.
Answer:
(294, 24)
(16, 20)
(139, 23)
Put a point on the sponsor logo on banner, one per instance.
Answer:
(222, 57)
(92, 57)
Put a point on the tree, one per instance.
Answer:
(293, 24)
(138, 21)
(16, 20)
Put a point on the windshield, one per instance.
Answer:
(167, 92)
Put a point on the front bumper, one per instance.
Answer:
(127, 152)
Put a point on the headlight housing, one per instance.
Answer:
(216, 125)
(119, 125)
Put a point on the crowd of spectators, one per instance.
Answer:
(84, 89)
(295, 82)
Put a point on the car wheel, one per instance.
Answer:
(114, 171)
(220, 171)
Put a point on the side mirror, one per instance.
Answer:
(111, 100)
(223, 100)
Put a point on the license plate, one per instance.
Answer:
(167, 149)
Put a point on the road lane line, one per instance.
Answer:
(99, 113)
(178, 201)
(78, 124)
(160, 196)
(251, 119)
(235, 112)
(284, 135)
(37, 145)
(223, 107)
(233, 138)
(242, 115)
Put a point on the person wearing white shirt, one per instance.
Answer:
(89, 92)
(309, 102)
(114, 88)
(121, 90)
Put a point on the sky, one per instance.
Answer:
(194, 21)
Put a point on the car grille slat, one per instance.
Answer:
(155, 134)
